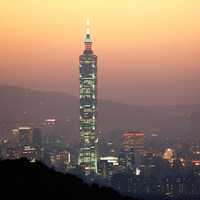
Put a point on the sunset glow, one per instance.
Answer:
(142, 45)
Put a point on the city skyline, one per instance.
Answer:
(108, 108)
(150, 46)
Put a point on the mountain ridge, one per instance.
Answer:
(21, 106)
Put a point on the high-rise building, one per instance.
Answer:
(37, 137)
(134, 140)
(14, 137)
(25, 136)
(60, 160)
(88, 104)
(132, 149)
(107, 166)
(31, 153)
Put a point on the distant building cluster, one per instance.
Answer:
(135, 167)
(30, 143)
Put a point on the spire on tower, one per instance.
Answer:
(88, 26)
(88, 38)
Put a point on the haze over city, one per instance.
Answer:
(148, 51)
(99, 99)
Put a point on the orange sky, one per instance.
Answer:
(148, 50)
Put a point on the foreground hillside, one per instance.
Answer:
(24, 179)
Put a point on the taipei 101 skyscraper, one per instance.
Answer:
(88, 105)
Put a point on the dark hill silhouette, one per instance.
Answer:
(23, 179)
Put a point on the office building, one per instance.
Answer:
(88, 110)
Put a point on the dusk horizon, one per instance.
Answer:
(147, 51)
(101, 99)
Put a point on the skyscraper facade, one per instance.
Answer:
(134, 140)
(132, 149)
(25, 136)
(88, 105)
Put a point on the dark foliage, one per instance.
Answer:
(22, 179)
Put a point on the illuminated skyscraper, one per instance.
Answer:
(88, 103)
(25, 136)
(132, 149)
(134, 140)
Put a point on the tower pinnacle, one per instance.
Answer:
(88, 26)
(88, 38)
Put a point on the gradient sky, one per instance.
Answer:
(148, 50)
